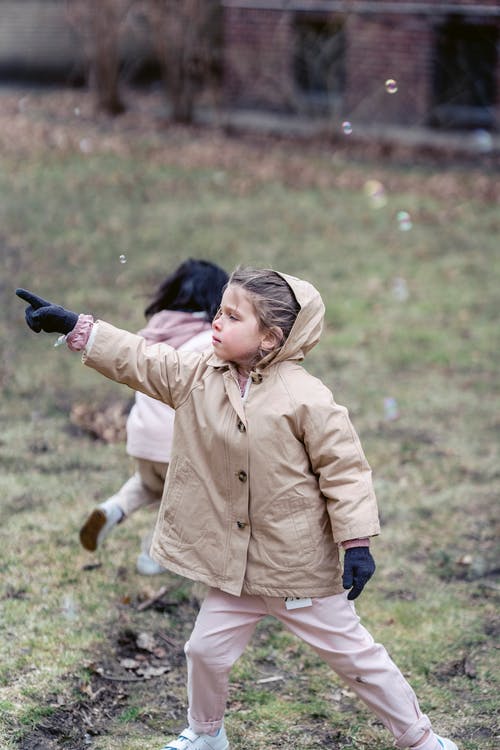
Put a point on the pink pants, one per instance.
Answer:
(331, 626)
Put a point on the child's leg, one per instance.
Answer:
(332, 627)
(145, 487)
(223, 628)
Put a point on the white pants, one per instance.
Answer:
(331, 626)
(145, 487)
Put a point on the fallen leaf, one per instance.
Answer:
(129, 663)
(148, 671)
(146, 641)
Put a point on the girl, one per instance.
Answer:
(180, 314)
(267, 481)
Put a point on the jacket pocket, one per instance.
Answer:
(286, 538)
(185, 526)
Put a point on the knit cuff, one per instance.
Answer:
(78, 337)
(362, 542)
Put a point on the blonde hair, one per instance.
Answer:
(273, 301)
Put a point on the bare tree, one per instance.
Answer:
(187, 44)
(100, 25)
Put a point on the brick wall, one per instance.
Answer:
(256, 57)
(384, 40)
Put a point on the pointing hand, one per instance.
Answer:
(42, 315)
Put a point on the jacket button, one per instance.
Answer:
(240, 524)
(241, 426)
(242, 476)
(257, 377)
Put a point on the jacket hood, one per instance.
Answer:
(306, 330)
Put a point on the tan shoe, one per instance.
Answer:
(98, 525)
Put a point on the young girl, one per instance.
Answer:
(180, 314)
(267, 482)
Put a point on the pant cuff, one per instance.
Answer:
(415, 733)
(203, 727)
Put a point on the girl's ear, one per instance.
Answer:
(272, 339)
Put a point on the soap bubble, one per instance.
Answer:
(219, 178)
(60, 340)
(77, 111)
(391, 86)
(400, 289)
(483, 141)
(123, 259)
(375, 192)
(69, 607)
(391, 410)
(85, 145)
(347, 127)
(404, 221)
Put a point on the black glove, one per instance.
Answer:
(44, 316)
(359, 566)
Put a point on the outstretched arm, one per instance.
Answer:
(158, 371)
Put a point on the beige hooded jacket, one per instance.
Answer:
(260, 492)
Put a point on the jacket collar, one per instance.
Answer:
(221, 364)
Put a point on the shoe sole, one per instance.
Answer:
(91, 528)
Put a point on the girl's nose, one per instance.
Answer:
(216, 324)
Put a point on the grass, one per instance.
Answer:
(430, 342)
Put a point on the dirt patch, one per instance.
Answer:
(133, 668)
(106, 422)
(73, 726)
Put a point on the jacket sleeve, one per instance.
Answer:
(157, 370)
(340, 465)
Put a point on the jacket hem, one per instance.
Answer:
(213, 582)
(295, 593)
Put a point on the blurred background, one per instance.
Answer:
(355, 144)
(314, 65)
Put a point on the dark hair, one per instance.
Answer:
(195, 286)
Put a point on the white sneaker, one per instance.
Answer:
(98, 525)
(446, 744)
(146, 566)
(189, 740)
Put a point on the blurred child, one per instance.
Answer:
(267, 484)
(180, 314)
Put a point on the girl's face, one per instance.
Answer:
(236, 333)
